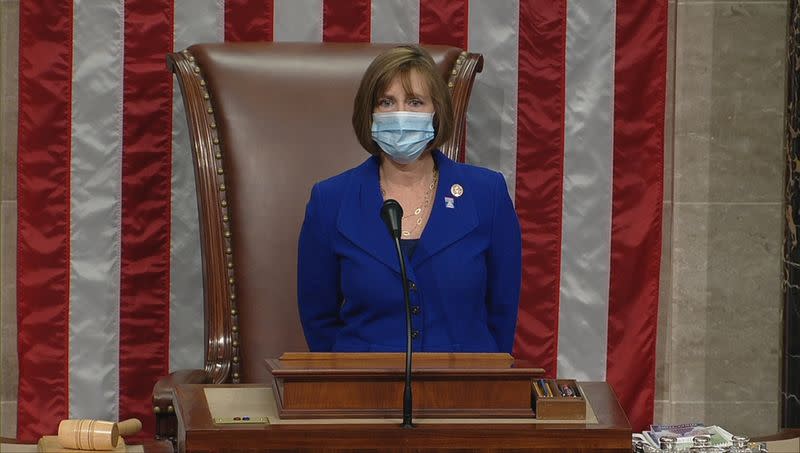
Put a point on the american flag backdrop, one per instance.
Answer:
(569, 107)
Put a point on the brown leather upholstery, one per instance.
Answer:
(266, 121)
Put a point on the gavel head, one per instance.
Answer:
(88, 434)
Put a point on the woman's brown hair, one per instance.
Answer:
(401, 61)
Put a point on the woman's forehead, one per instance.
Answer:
(409, 82)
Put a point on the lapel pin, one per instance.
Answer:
(449, 202)
(456, 190)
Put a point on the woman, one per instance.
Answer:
(459, 230)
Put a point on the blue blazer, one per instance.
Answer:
(464, 274)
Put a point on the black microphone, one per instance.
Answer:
(392, 215)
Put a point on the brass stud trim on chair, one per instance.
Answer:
(225, 219)
(170, 410)
(215, 141)
(233, 311)
(224, 203)
(222, 187)
(235, 328)
(230, 265)
(228, 251)
(230, 280)
(462, 57)
(219, 171)
(156, 410)
(235, 359)
(227, 235)
(218, 156)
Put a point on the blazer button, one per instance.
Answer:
(412, 286)
(415, 310)
(414, 334)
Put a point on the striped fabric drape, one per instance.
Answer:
(570, 108)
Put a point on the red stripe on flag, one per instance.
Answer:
(444, 22)
(639, 92)
(249, 20)
(43, 212)
(346, 20)
(146, 170)
(540, 159)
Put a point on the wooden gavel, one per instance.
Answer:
(95, 434)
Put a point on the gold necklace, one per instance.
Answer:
(420, 211)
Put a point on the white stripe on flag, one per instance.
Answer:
(195, 21)
(588, 163)
(95, 188)
(395, 21)
(297, 20)
(492, 114)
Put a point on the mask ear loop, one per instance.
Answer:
(429, 147)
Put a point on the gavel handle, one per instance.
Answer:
(129, 427)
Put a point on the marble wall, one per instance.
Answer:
(9, 40)
(719, 340)
(721, 309)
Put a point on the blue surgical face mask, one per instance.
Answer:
(403, 136)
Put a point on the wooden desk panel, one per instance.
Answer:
(370, 385)
(198, 433)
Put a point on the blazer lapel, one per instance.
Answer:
(451, 217)
(360, 215)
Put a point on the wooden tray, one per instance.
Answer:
(558, 407)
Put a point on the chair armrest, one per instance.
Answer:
(164, 409)
(162, 391)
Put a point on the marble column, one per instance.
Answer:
(724, 350)
(791, 251)
(9, 63)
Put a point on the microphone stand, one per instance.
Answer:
(392, 215)
(407, 400)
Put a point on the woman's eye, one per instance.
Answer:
(384, 103)
(415, 103)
